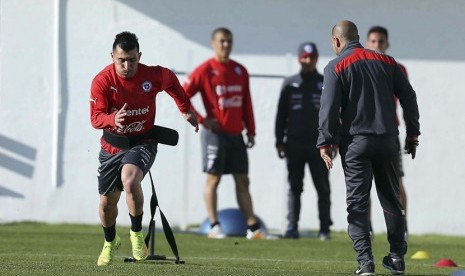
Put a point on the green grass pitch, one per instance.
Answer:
(64, 249)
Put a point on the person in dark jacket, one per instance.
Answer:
(358, 112)
(296, 132)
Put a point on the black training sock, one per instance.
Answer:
(253, 227)
(214, 224)
(110, 232)
(136, 222)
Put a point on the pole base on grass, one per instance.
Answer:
(129, 260)
(154, 258)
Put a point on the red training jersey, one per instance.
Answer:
(109, 92)
(225, 92)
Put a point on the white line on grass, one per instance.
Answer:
(215, 258)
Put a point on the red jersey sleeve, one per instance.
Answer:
(172, 86)
(247, 110)
(99, 111)
(192, 86)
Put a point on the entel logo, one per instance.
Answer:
(134, 112)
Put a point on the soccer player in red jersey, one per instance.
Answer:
(122, 101)
(224, 87)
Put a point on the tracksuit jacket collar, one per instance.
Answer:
(350, 46)
(309, 75)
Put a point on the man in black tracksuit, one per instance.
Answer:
(358, 112)
(296, 133)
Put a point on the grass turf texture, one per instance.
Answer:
(44, 249)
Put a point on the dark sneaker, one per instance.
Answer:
(291, 233)
(395, 265)
(367, 269)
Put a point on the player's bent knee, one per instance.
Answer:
(131, 176)
(107, 205)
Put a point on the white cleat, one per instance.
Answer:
(216, 232)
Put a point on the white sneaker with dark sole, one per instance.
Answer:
(216, 232)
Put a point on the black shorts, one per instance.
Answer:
(224, 153)
(109, 171)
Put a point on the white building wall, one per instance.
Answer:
(175, 34)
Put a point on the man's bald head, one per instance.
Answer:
(346, 31)
(343, 32)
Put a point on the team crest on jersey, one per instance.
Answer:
(147, 86)
(238, 70)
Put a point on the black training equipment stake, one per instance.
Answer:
(162, 135)
(150, 238)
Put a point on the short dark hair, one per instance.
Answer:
(222, 30)
(378, 29)
(126, 41)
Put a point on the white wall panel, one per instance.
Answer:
(176, 35)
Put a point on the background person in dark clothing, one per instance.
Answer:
(296, 133)
(358, 113)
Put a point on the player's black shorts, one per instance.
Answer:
(224, 153)
(109, 171)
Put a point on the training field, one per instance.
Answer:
(42, 249)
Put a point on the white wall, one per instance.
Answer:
(48, 150)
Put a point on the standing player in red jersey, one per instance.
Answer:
(378, 40)
(122, 101)
(224, 87)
